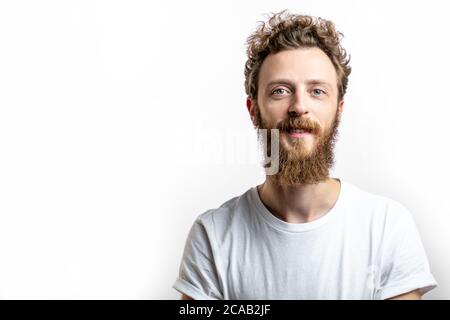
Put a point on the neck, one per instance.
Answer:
(299, 204)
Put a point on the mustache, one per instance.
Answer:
(298, 123)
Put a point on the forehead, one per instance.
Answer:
(298, 65)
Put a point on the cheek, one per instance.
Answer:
(270, 116)
(276, 114)
(326, 122)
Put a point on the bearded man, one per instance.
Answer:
(302, 234)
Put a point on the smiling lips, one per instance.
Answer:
(297, 133)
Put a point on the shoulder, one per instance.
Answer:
(218, 221)
(376, 207)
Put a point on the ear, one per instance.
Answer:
(251, 109)
(341, 106)
(249, 104)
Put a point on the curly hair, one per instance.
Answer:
(283, 31)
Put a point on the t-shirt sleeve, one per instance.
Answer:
(198, 274)
(404, 264)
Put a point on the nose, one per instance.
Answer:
(298, 105)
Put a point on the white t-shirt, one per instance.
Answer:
(366, 247)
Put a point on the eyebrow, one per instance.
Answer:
(291, 83)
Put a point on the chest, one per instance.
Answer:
(338, 266)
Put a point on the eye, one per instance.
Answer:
(279, 91)
(318, 92)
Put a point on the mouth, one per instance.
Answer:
(297, 133)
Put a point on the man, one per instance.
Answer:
(302, 234)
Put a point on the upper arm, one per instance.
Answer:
(412, 295)
(403, 264)
(185, 297)
(198, 273)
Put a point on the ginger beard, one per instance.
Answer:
(298, 163)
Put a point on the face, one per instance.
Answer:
(298, 94)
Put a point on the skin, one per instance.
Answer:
(304, 202)
(319, 106)
(412, 295)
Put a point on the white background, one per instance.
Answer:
(114, 116)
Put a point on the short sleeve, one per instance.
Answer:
(404, 264)
(198, 273)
